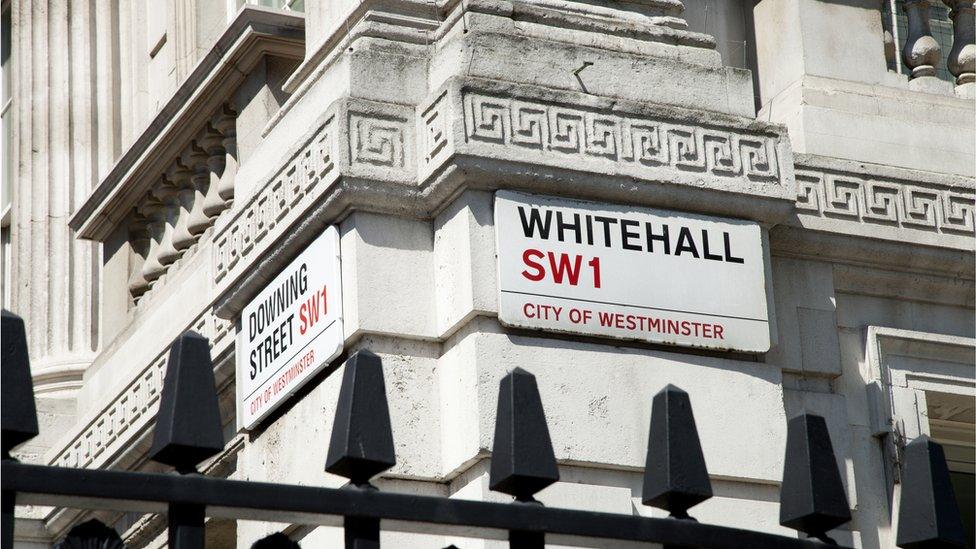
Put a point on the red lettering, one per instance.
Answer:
(527, 256)
(564, 268)
(595, 264)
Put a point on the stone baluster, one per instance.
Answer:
(180, 175)
(962, 56)
(921, 52)
(154, 212)
(226, 124)
(139, 240)
(212, 143)
(166, 193)
(198, 221)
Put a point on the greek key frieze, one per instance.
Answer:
(434, 134)
(377, 140)
(291, 187)
(135, 404)
(641, 141)
(892, 202)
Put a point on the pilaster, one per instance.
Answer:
(55, 276)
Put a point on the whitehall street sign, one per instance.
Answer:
(630, 273)
(290, 331)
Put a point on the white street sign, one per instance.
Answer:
(290, 331)
(630, 273)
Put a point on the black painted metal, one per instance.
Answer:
(149, 492)
(928, 515)
(522, 461)
(188, 428)
(92, 534)
(7, 502)
(18, 416)
(812, 498)
(275, 541)
(186, 525)
(362, 439)
(675, 476)
(362, 532)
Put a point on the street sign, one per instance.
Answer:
(290, 331)
(630, 273)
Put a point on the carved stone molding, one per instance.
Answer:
(909, 202)
(600, 134)
(357, 138)
(112, 428)
(293, 187)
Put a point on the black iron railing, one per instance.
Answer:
(188, 432)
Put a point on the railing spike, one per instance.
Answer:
(522, 460)
(188, 428)
(19, 415)
(276, 541)
(362, 439)
(92, 533)
(812, 497)
(675, 476)
(928, 515)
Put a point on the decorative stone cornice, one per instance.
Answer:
(255, 32)
(881, 202)
(392, 158)
(110, 429)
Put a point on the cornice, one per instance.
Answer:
(255, 32)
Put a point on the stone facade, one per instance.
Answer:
(163, 177)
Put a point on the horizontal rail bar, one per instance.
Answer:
(150, 492)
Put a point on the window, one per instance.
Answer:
(927, 386)
(951, 425)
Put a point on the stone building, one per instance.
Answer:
(165, 160)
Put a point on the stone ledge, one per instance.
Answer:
(254, 33)
(885, 203)
(382, 157)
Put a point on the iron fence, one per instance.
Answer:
(188, 431)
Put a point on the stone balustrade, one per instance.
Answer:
(922, 53)
(184, 202)
(962, 56)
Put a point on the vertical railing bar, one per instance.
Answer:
(361, 445)
(188, 430)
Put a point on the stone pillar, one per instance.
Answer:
(839, 40)
(58, 158)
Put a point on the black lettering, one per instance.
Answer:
(562, 226)
(728, 251)
(626, 236)
(705, 253)
(685, 243)
(535, 220)
(606, 221)
(663, 238)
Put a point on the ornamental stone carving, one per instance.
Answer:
(184, 203)
(921, 52)
(886, 201)
(584, 133)
(962, 56)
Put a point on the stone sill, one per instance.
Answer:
(254, 33)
